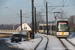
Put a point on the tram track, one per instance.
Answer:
(38, 43)
(65, 46)
(42, 38)
(70, 42)
(47, 42)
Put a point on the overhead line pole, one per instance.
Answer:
(35, 21)
(21, 20)
(47, 17)
(32, 19)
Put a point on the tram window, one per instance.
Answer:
(45, 27)
(40, 27)
(62, 26)
(53, 27)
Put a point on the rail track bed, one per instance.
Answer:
(67, 44)
(42, 45)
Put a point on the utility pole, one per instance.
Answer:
(32, 19)
(21, 20)
(47, 17)
(35, 21)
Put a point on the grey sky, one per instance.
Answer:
(6, 15)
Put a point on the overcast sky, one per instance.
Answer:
(6, 14)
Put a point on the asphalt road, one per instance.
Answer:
(3, 46)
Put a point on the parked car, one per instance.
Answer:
(16, 37)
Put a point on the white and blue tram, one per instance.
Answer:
(51, 27)
(62, 28)
(41, 28)
(58, 28)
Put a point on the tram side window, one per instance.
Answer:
(53, 28)
(40, 27)
(45, 27)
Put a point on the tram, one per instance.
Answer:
(51, 28)
(41, 26)
(58, 28)
(62, 28)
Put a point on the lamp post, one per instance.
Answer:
(24, 14)
(13, 16)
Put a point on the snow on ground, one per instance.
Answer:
(26, 45)
(29, 45)
(43, 43)
(72, 37)
(72, 40)
(69, 46)
(54, 43)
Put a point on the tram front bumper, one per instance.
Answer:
(62, 35)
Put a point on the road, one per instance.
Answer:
(3, 46)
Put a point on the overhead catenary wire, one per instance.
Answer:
(59, 5)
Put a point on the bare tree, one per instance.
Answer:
(39, 19)
(72, 22)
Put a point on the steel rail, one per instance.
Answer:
(70, 42)
(63, 45)
(38, 43)
(41, 41)
(46, 43)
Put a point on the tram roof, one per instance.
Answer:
(49, 23)
(62, 19)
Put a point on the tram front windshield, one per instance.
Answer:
(62, 26)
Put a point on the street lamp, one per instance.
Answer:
(13, 16)
(24, 15)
